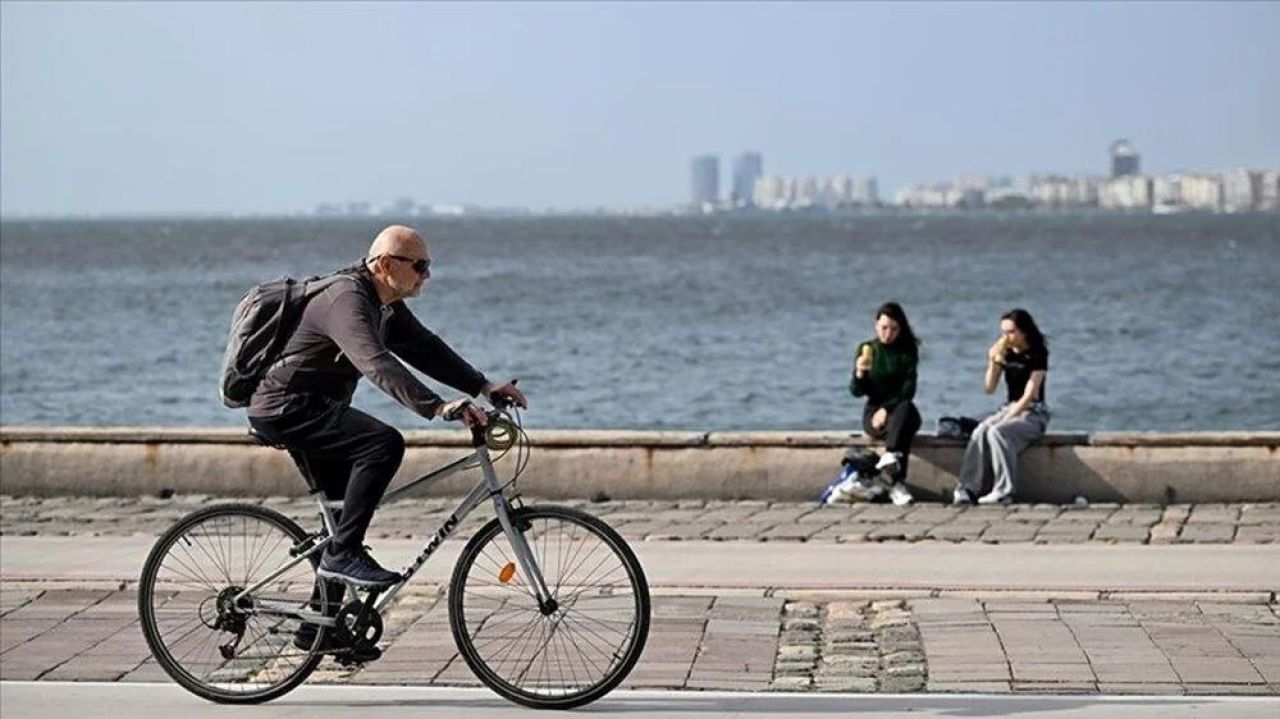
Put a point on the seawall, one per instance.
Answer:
(781, 466)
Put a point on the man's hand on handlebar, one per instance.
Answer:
(463, 410)
(501, 396)
(505, 395)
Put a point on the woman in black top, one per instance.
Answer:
(885, 373)
(1022, 356)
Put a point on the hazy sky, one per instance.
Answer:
(212, 107)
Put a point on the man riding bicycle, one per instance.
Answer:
(303, 402)
(239, 604)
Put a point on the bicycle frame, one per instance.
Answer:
(488, 486)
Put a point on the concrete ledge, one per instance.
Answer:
(629, 438)
(785, 466)
(845, 439)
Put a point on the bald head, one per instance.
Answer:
(391, 261)
(398, 240)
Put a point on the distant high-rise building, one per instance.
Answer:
(769, 193)
(1202, 192)
(1269, 198)
(1166, 190)
(747, 168)
(1242, 190)
(847, 191)
(865, 191)
(1124, 159)
(839, 191)
(808, 193)
(706, 180)
(1126, 193)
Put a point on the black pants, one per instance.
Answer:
(898, 431)
(343, 452)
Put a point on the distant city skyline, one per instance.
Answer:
(275, 108)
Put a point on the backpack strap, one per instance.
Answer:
(307, 290)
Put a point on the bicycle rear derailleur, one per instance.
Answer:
(226, 615)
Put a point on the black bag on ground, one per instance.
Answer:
(863, 460)
(956, 427)
(260, 326)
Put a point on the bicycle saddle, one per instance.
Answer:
(260, 439)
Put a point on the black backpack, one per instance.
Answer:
(263, 321)
(956, 427)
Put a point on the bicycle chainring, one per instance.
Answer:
(361, 635)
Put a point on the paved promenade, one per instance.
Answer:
(719, 521)
(763, 597)
(31, 700)
(746, 641)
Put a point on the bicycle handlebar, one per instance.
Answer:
(499, 402)
(500, 405)
(453, 415)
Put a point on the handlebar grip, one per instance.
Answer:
(455, 414)
(500, 402)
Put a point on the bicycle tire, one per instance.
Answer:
(594, 630)
(201, 585)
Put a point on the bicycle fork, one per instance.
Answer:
(515, 535)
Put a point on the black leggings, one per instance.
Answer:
(897, 433)
(343, 452)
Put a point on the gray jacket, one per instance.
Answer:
(346, 332)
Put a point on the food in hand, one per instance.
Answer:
(999, 349)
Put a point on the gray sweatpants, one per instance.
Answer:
(994, 447)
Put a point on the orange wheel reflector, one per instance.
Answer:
(507, 572)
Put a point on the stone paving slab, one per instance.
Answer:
(752, 642)
(692, 520)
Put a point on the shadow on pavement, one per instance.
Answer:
(955, 705)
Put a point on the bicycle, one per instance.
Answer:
(547, 605)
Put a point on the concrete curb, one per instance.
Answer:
(630, 438)
(428, 589)
(780, 466)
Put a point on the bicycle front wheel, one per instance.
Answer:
(585, 645)
(224, 650)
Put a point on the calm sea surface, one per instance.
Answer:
(1155, 323)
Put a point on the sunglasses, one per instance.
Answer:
(419, 266)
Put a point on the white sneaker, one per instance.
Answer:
(865, 490)
(961, 497)
(993, 498)
(838, 490)
(888, 459)
(899, 494)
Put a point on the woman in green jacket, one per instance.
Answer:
(885, 373)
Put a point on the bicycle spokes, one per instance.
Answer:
(584, 636)
(202, 626)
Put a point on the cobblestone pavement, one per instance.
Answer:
(753, 642)
(717, 520)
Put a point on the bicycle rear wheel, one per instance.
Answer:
(563, 658)
(215, 648)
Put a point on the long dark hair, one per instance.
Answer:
(1027, 326)
(906, 337)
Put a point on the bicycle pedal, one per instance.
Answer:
(357, 657)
